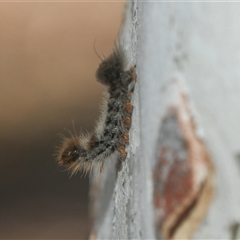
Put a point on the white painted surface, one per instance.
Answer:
(201, 42)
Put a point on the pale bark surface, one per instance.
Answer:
(188, 88)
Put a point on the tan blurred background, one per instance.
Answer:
(47, 82)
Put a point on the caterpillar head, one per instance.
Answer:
(111, 69)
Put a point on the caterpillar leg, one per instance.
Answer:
(122, 152)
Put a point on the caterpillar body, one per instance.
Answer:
(111, 135)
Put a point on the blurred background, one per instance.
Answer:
(47, 83)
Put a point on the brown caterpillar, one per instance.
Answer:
(111, 135)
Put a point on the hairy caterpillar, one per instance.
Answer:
(111, 135)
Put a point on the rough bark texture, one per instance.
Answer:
(181, 178)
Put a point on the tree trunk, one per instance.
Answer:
(181, 177)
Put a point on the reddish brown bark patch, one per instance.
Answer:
(183, 175)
